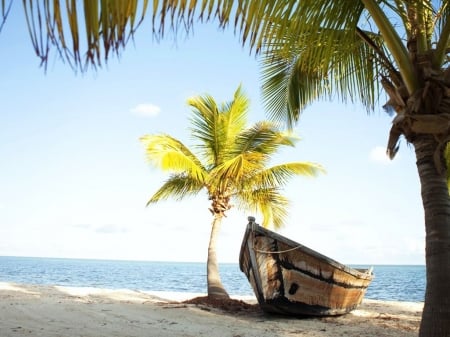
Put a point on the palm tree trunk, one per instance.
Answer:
(215, 287)
(436, 202)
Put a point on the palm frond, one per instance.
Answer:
(346, 68)
(236, 112)
(235, 115)
(107, 25)
(443, 35)
(207, 128)
(178, 186)
(215, 128)
(258, 22)
(5, 9)
(169, 154)
(287, 89)
(264, 138)
(232, 172)
(275, 211)
(280, 175)
(269, 202)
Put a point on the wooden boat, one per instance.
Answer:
(289, 278)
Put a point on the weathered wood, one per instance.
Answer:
(289, 278)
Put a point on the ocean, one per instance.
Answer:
(391, 282)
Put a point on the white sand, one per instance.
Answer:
(47, 311)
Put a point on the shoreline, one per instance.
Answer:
(46, 311)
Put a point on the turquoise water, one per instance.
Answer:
(391, 282)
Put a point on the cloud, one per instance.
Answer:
(146, 110)
(378, 155)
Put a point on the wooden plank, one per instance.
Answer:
(254, 267)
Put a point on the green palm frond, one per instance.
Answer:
(293, 79)
(440, 56)
(264, 138)
(232, 172)
(275, 210)
(169, 154)
(208, 128)
(236, 112)
(263, 21)
(269, 202)
(89, 32)
(214, 127)
(280, 175)
(259, 190)
(107, 26)
(287, 89)
(205, 111)
(5, 9)
(235, 115)
(177, 186)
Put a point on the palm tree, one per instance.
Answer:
(351, 50)
(310, 51)
(231, 164)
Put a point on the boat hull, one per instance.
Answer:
(291, 279)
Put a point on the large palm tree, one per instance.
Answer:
(312, 50)
(231, 164)
(351, 50)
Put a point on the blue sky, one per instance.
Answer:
(74, 181)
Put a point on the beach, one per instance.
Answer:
(47, 311)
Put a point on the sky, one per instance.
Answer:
(74, 181)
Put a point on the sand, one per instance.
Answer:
(47, 311)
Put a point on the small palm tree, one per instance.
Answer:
(231, 164)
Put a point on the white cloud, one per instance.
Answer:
(378, 154)
(146, 110)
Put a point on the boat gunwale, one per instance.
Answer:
(361, 273)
